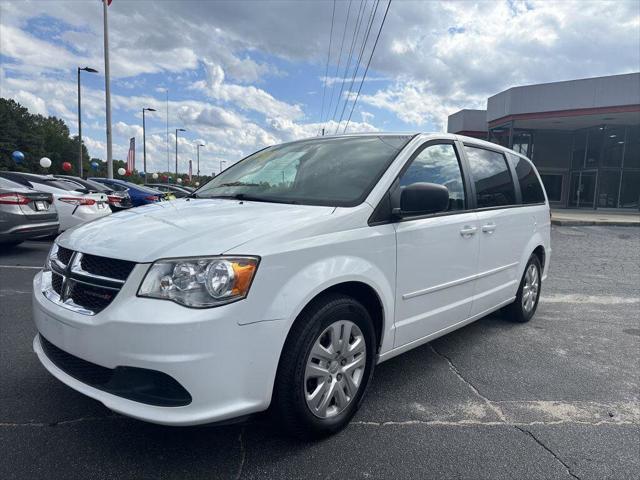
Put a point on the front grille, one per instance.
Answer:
(107, 267)
(56, 283)
(138, 384)
(90, 297)
(86, 283)
(64, 255)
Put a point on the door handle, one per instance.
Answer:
(489, 228)
(468, 230)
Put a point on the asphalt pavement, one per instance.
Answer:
(556, 398)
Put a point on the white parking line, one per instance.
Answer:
(21, 267)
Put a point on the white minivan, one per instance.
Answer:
(284, 280)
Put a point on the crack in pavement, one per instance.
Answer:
(478, 423)
(495, 408)
(539, 442)
(59, 423)
(243, 453)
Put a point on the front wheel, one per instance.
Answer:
(325, 367)
(526, 303)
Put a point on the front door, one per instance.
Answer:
(437, 255)
(582, 190)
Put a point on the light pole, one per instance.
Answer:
(177, 130)
(221, 162)
(144, 142)
(90, 70)
(198, 164)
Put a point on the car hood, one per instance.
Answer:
(187, 227)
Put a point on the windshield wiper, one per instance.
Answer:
(237, 184)
(252, 198)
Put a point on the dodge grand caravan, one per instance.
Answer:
(283, 281)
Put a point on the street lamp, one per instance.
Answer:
(221, 162)
(177, 130)
(89, 70)
(144, 142)
(198, 164)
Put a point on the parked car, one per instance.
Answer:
(178, 192)
(286, 279)
(118, 200)
(139, 194)
(73, 207)
(25, 213)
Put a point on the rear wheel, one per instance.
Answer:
(325, 367)
(526, 303)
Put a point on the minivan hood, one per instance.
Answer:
(186, 227)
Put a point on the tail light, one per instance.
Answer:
(13, 199)
(114, 199)
(152, 198)
(77, 200)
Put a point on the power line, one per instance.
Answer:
(372, 16)
(344, 32)
(356, 30)
(326, 70)
(368, 64)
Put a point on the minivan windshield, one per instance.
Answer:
(337, 171)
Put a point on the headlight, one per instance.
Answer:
(200, 282)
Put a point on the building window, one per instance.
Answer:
(608, 186)
(594, 146)
(579, 148)
(491, 176)
(613, 147)
(630, 193)
(551, 149)
(553, 186)
(530, 187)
(632, 148)
(438, 164)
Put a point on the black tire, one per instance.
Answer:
(289, 404)
(516, 311)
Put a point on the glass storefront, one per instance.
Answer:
(597, 167)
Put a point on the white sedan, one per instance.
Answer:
(74, 207)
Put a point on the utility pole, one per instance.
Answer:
(144, 142)
(107, 88)
(177, 130)
(221, 162)
(90, 70)
(198, 164)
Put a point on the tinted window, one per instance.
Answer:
(438, 164)
(553, 186)
(529, 184)
(323, 171)
(491, 176)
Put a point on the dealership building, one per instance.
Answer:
(582, 135)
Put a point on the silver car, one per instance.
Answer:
(25, 213)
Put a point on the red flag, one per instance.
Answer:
(108, 2)
(131, 156)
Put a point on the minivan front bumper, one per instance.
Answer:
(226, 369)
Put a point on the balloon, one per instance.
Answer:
(127, 173)
(121, 171)
(155, 176)
(197, 184)
(179, 180)
(94, 165)
(17, 156)
(66, 166)
(141, 174)
(45, 162)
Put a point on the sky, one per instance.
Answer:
(242, 75)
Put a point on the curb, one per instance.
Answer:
(591, 223)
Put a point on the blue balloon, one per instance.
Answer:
(17, 156)
(94, 165)
(141, 174)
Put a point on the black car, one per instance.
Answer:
(118, 200)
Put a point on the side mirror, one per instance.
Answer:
(423, 198)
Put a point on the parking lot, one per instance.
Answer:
(555, 398)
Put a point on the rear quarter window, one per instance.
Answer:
(529, 184)
(491, 177)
